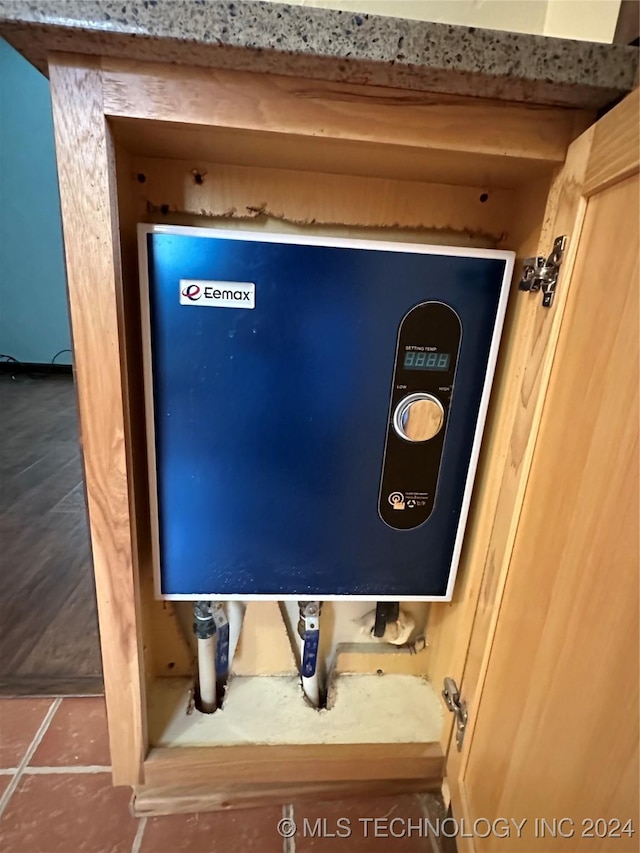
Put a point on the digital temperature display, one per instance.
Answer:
(427, 360)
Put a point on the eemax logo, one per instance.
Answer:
(218, 294)
(192, 292)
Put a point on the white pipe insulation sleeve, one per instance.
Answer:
(207, 674)
(310, 686)
(235, 615)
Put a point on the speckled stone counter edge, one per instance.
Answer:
(250, 35)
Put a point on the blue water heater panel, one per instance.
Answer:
(316, 410)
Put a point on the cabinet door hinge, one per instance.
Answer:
(458, 707)
(542, 273)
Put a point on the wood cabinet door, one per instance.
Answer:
(553, 731)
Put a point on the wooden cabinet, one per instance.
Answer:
(553, 728)
(541, 634)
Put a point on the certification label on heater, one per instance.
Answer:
(218, 294)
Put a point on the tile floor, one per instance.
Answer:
(56, 797)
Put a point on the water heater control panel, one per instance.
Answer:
(423, 380)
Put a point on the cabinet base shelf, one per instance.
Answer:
(224, 778)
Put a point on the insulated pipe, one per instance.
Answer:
(235, 615)
(309, 632)
(310, 685)
(207, 674)
(205, 630)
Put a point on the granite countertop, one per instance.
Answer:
(325, 44)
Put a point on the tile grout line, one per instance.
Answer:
(35, 743)
(434, 841)
(289, 841)
(73, 768)
(137, 841)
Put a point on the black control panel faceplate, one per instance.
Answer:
(426, 359)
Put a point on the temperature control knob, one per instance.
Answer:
(418, 417)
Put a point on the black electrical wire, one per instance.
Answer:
(23, 368)
(53, 360)
(386, 611)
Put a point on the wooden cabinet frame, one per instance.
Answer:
(499, 174)
(607, 156)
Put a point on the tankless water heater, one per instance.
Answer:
(316, 407)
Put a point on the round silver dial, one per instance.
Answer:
(418, 417)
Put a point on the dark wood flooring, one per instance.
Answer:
(48, 623)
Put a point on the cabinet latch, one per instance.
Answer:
(542, 273)
(458, 707)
